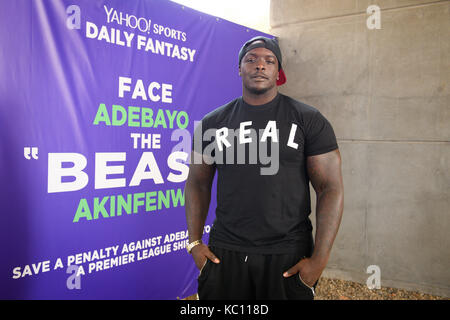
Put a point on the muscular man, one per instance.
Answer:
(261, 244)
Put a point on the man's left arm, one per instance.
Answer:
(324, 172)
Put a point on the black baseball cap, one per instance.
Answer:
(269, 44)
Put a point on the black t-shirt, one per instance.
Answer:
(263, 198)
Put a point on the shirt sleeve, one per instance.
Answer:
(320, 137)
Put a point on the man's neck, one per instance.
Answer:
(259, 99)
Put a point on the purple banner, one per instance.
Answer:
(98, 102)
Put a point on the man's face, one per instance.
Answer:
(259, 70)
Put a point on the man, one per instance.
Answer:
(261, 244)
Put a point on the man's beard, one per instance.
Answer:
(258, 91)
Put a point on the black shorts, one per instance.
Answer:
(252, 276)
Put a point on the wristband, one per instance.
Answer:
(191, 245)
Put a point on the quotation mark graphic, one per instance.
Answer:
(33, 151)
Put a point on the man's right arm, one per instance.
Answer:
(198, 196)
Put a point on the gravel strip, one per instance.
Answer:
(334, 289)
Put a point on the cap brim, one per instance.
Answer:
(281, 78)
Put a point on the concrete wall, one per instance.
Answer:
(386, 92)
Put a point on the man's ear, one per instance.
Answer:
(239, 71)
